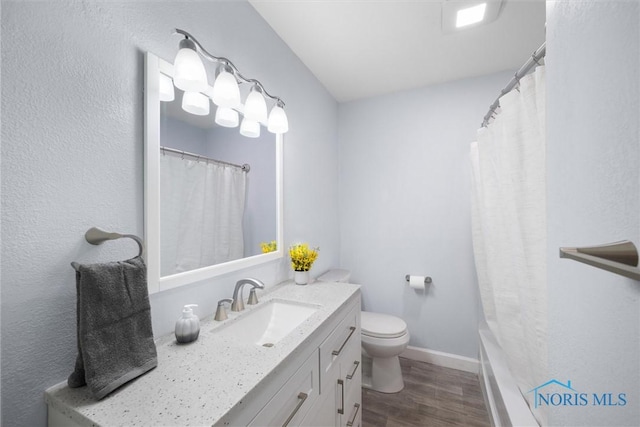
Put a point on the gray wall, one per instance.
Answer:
(404, 206)
(593, 190)
(72, 158)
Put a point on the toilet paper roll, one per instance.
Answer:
(416, 282)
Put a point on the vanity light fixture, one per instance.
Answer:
(190, 76)
(255, 108)
(250, 128)
(189, 73)
(226, 92)
(278, 122)
(227, 117)
(167, 94)
(195, 103)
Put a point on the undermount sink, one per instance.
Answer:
(268, 324)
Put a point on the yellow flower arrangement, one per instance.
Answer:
(302, 256)
(267, 247)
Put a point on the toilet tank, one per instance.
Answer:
(335, 275)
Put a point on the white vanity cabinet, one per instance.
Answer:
(310, 377)
(293, 400)
(326, 389)
(340, 399)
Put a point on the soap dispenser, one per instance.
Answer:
(187, 326)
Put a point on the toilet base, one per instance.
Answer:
(382, 374)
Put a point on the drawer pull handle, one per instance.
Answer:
(301, 397)
(355, 414)
(337, 352)
(341, 410)
(355, 368)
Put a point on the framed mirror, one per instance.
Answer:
(212, 196)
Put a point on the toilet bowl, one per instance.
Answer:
(383, 338)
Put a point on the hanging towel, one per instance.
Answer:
(115, 338)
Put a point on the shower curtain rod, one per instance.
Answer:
(197, 157)
(533, 61)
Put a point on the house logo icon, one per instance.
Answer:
(546, 398)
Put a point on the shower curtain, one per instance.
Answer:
(201, 210)
(509, 230)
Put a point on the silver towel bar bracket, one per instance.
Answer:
(97, 236)
(618, 257)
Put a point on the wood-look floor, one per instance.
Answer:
(432, 396)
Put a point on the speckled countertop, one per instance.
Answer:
(198, 383)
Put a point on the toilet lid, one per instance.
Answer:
(380, 325)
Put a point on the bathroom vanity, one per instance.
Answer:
(307, 375)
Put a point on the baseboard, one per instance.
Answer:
(446, 360)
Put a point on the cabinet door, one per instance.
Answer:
(353, 399)
(296, 397)
(350, 386)
(324, 412)
(344, 337)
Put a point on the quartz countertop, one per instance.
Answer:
(200, 382)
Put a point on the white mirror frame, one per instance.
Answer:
(153, 67)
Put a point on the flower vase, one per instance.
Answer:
(301, 277)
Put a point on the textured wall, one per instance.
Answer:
(72, 158)
(593, 190)
(405, 206)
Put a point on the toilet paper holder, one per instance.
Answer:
(427, 279)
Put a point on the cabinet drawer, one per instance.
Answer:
(345, 338)
(294, 399)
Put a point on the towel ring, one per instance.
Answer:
(97, 236)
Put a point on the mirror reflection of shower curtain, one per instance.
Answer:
(201, 210)
(510, 233)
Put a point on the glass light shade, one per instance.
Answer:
(227, 117)
(226, 92)
(250, 128)
(195, 103)
(255, 108)
(278, 122)
(167, 93)
(188, 70)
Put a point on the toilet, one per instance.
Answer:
(383, 338)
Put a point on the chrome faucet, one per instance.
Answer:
(221, 313)
(238, 303)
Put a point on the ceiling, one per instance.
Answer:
(363, 48)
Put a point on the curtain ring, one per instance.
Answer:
(535, 59)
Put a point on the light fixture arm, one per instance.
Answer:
(226, 61)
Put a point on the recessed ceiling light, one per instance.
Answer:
(470, 15)
(460, 15)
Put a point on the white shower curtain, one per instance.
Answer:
(509, 230)
(201, 210)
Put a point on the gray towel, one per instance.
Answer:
(115, 338)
